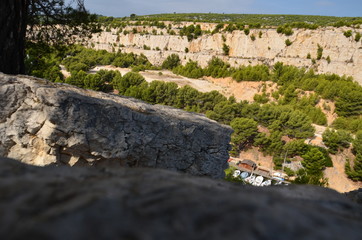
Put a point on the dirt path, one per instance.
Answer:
(337, 179)
(64, 71)
(244, 90)
(226, 86)
(328, 108)
(167, 76)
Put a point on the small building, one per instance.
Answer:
(264, 172)
(247, 164)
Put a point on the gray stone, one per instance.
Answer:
(59, 202)
(355, 195)
(43, 123)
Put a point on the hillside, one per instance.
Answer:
(340, 54)
(273, 106)
(250, 19)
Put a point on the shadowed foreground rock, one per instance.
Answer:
(131, 203)
(43, 123)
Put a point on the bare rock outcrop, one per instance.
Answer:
(344, 54)
(43, 123)
(90, 203)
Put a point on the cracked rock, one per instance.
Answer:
(75, 126)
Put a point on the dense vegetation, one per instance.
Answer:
(80, 58)
(252, 20)
(191, 32)
(287, 112)
(355, 171)
(292, 81)
(43, 61)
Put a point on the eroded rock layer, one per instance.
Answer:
(43, 123)
(341, 55)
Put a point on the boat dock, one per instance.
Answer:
(251, 168)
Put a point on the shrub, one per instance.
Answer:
(217, 68)
(348, 33)
(245, 130)
(128, 80)
(171, 61)
(191, 70)
(288, 42)
(76, 67)
(191, 32)
(226, 49)
(354, 173)
(336, 140)
(357, 37)
(218, 28)
(262, 98)
(288, 31)
(145, 47)
(319, 52)
(230, 28)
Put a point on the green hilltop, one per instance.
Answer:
(253, 19)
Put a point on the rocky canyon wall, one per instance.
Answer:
(44, 123)
(268, 47)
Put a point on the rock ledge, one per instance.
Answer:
(89, 203)
(43, 123)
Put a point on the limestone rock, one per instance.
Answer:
(43, 123)
(90, 203)
(345, 53)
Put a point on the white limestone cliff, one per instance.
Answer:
(345, 53)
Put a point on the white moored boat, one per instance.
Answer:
(236, 173)
(258, 180)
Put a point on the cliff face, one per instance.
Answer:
(43, 123)
(345, 53)
(88, 203)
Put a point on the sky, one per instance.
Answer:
(122, 8)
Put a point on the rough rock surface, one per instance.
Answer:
(345, 53)
(43, 123)
(131, 203)
(355, 195)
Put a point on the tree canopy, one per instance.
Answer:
(52, 21)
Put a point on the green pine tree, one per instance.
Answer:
(314, 161)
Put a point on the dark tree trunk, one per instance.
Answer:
(13, 15)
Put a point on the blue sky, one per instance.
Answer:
(121, 8)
